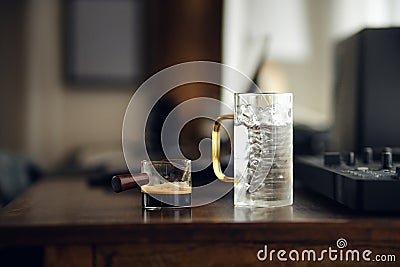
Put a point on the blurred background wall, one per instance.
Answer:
(41, 117)
(47, 119)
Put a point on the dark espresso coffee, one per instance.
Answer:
(170, 195)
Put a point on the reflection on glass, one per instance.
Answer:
(161, 215)
(245, 214)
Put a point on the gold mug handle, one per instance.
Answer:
(216, 148)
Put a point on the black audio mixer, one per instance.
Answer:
(360, 183)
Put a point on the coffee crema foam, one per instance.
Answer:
(167, 188)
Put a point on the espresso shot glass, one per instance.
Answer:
(170, 184)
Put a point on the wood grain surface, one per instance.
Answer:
(112, 229)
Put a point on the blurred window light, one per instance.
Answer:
(284, 23)
(350, 16)
(263, 29)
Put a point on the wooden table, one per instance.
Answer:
(78, 225)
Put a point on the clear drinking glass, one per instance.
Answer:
(263, 149)
(170, 184)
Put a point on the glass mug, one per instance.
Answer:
(263, 149)
(169, 186)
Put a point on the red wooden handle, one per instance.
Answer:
(124, 182)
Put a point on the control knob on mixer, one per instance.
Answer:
(387, 162)
(350, 159)
(367, 155)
